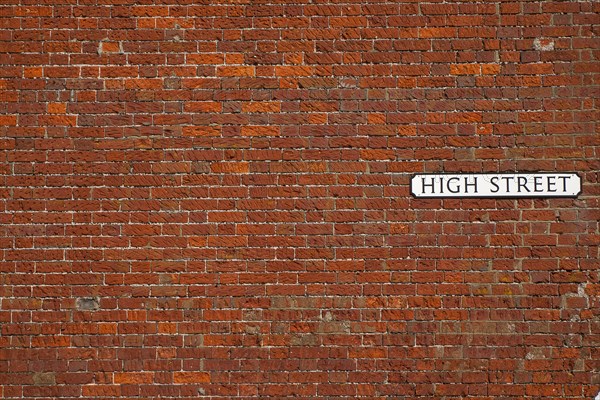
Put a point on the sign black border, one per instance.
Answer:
(497, 197)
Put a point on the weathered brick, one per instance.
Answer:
(191, 377)
(213, 200)
(231, 167)
(133, 377)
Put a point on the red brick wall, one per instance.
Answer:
(210, 200)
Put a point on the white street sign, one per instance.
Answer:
(496, 185)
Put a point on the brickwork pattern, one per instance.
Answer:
(210, 200)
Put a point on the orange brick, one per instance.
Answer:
(260, 131)
(8, 120)
(407, 130)
(465, 69)
(235, 71)
(133, 377)
(317, 118)
(146, 23)
(191, 377)
(261, 107)
(234, 58)
(532, 81)
(110, 47)
(107, 328)
(230, 167)
(376, 118)
(490, 69)
(57, 108)
(33, 72)
(294, 59)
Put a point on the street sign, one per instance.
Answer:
(503, 185)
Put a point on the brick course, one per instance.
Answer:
(211, 200)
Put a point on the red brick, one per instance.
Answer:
(437, 32)
(212, 200)
(378, 154)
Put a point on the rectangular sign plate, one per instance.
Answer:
(505, 185)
